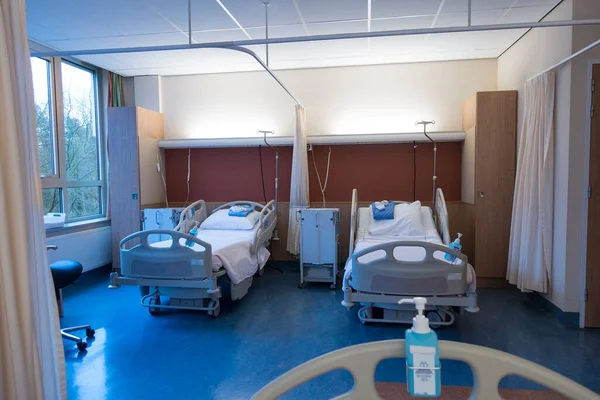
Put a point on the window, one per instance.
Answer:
(69, 138)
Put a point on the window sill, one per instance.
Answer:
(79, 226)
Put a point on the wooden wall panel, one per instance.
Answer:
(495, 168)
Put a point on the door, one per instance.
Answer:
(592, 276)
(495, 168)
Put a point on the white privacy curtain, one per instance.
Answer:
(530, 251)
(31, 351)
(299, 197)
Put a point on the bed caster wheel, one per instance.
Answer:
(214, 313)
(435, 319)
(144, 290)
(333, 286)
(89, 332)
(300, 285)
(154, 311)
(81, 346)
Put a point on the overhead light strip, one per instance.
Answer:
(381, 138)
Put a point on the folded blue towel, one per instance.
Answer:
(239, 211)
(386, 213)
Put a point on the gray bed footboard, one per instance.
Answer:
(427, 277)
(174, 262)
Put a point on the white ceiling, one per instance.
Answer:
(89, 24)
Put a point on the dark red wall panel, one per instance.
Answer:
(378, 171)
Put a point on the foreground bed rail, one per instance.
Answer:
(489, 367)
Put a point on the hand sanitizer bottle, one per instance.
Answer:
(192, 234)
(454, 246)
(422, 354)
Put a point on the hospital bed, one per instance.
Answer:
(191, 276)
(382, 270)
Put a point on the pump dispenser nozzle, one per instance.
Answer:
(420, 322)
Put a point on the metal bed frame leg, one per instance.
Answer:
(274, 265)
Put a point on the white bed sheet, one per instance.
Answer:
(365, 240)
(231, 249)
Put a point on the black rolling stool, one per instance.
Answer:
(65, 272)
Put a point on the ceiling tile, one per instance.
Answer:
(401, 23)
(526, 14)
(452, 6)
(332, 10)
(251, 13)
(402, 8)
(39, 32)
(337, 27)
(552, 3)
(163, 39)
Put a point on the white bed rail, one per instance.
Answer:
(175, 262)
(489, 367)
(267, 221)
(430, 250)
(195, 212)
(441, 216)
(353, 219)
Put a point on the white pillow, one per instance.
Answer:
(406, 222)
(223, 221)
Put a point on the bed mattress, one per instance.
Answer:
(365, 240)
(231, 250)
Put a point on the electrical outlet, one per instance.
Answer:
(309, 147)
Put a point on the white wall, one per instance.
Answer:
(91, 248)
(346, 100)
(536, 51)
(147, 92)
(578, 148)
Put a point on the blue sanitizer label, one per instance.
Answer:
(423, 372)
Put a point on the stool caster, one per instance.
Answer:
(89, 332)
(81, 346)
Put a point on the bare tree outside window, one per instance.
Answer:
(69, 156)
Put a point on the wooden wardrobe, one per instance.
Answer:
(135, 182)
(488, 176)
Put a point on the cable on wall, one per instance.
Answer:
(159, 169)
(189, 171)
(262, 173)
(414, 171)
(322, 187)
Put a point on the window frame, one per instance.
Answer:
(60, 180)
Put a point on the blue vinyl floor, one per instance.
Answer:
(188, 355)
